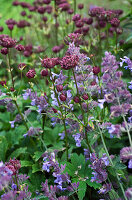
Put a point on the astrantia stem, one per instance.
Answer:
(107, 153)
(63, 119)
(9, 64)
(86, 136)
(21, 115)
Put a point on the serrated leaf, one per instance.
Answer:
(18, 152)
(26, 163)
(93, 184)
(3, 147)
(82, 190)
(37, 155)
(35, 168)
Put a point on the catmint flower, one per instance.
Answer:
(77, 139)
(127, 61)
(130, 86)
(101, 103)
(32, 131)
(130, 164)
(126, 154)
(106, 188)
(128, 193)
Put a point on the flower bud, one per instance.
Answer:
(62, 97)
(59, 88)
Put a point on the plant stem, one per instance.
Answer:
(9, 64)
(21, 115)
(43, 123)
(63, 119)
(75, 6)
(90, 149)
(107, 153)
(128, 132)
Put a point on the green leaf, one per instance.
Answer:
(82, 190)
(37, 155)
(93, 184)
(35, 168)
(113, 195)
(18, 152)
(3, 147)
(26, 163)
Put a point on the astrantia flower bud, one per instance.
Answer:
(85, 97)
(21, 66)
(49, 62)
(54, 110)
(69, 62)
(59, 88)
(76, 17)
(76, 99)
(44, 72)
(115, 22)
(62, 97)
(10, 27)
(4, 51)
(96, 70)
(2, 83)
(20, 47)
(31, 73)
(1, 29)
(80, 6)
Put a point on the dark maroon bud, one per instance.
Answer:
(119, 31)
(32, 8)
(44, 19)
(31, 73)
(29, 16)
(27, 53)
(88, 21)
(76, 17)
(44, 72)
(10, 27)
(102, 24)
(85, 29)
(62, 97)
(96, 70)
(21, 38)
(47, 82)
(2, 83)
(23, 13)
(115, 22)
(20, 47)
(59, 88)
(57, 25)
(78, 31)
(93, 83)
(85, 97)
(54, 110)
(46, 1)
(41, 10)
(64, 6)
(49, 9)
(15, 3)
(12, 89)
(70, 11)
(21, 66)
(56, 49)
(67, 21)
(4, 51)
(76, 99)
(80, 6)
(1, 29)
(79, 23)
(121, 42)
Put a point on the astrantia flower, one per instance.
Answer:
(7, 42)
(69, 62)
(31, 73)
(49, 62)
